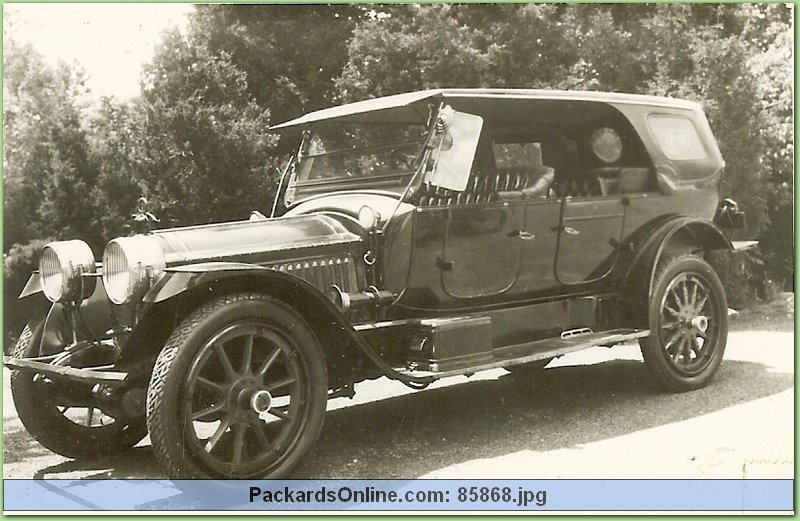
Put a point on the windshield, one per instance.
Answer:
(351, 151)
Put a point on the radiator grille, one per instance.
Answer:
(323, 272)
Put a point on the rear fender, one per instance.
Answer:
(673, 237)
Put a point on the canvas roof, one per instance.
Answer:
(411, 107)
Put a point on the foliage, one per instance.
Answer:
(416, 48)
(776, 133)
(290, 54)
(196, 141)
(46, 167)
(205, 149)
(733, 59)
(743, 276)
(116, 147)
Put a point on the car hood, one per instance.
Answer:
(256, 242)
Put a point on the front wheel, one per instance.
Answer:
(65, 416)
(239, 391)
(688, 324)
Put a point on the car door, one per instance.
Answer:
(482, 249)
(589, 234)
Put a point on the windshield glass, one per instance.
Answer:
(351, 151)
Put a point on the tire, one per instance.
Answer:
(688, 318)
(56, 426)
(238, 391)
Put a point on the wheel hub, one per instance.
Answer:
(246, 397)
(260, 402)
(689, 323)
(691, 327)
(700, 323)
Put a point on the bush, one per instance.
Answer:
(777, 245)
(743, 276)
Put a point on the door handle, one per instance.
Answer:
(569, 230)
(445, 265)
(521, 234)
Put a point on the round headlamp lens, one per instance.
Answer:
(129, 266)
(62, 267)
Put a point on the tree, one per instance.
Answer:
(291, 54)
(205, 152)
(413, 47)
(47, 171)
(776, 133)
(116, 146)
(733, 59)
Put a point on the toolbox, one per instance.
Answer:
(445, 344)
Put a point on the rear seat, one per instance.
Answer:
(582, 185)
(606, 181)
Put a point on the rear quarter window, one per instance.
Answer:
(677, 138)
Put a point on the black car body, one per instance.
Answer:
(426, 235)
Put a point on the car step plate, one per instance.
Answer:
(541, 349)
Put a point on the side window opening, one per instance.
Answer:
(677, 138)
(607, 157)
(595, 155)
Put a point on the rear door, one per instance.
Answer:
(589, 234)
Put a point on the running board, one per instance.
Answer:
(539, 350)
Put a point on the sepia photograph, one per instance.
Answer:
(441, 244)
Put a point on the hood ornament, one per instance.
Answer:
(143, 220)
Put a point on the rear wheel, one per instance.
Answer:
(239, 391)
(688, 324)
(65, 416)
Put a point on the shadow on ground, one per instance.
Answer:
(408, 436)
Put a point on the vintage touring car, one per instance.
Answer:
(425, 235)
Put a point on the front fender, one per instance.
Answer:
(183, 278)
(330, 325)
(180, 290)
(33, 286)
(95, 319)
